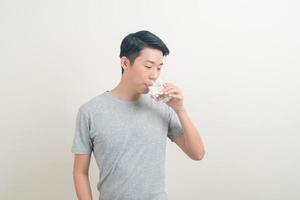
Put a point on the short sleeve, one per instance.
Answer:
(82, 142)
(174, 127)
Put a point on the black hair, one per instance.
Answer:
(134, 43)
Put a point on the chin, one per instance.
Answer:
(146, 91)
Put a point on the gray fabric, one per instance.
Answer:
(128, 140)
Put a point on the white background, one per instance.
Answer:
(237, 63)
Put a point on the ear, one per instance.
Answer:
(125, 63)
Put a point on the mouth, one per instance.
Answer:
(149, 84)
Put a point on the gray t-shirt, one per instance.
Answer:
(128, 140)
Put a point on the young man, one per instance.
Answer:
(127, 130)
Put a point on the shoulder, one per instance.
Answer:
(93, 104)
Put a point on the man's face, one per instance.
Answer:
(145, 70)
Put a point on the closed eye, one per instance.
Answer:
(151, 67)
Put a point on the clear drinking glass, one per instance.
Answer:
(156, 91)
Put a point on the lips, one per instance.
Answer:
(149, 83)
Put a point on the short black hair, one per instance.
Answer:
(134, 43)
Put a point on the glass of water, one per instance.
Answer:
(156, 91)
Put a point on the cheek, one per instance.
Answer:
(138, 78)
(141, 74)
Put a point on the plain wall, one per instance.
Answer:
(237, 63)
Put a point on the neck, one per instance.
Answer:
(124, 91)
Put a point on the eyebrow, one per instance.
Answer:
(152, 62)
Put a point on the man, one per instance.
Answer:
(127, 130)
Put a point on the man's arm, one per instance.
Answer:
(189, 141)
(81, 176)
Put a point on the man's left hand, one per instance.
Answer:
(176, 101)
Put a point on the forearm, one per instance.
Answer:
(82, 186)
(192, 139)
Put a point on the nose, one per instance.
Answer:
(154, 74)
